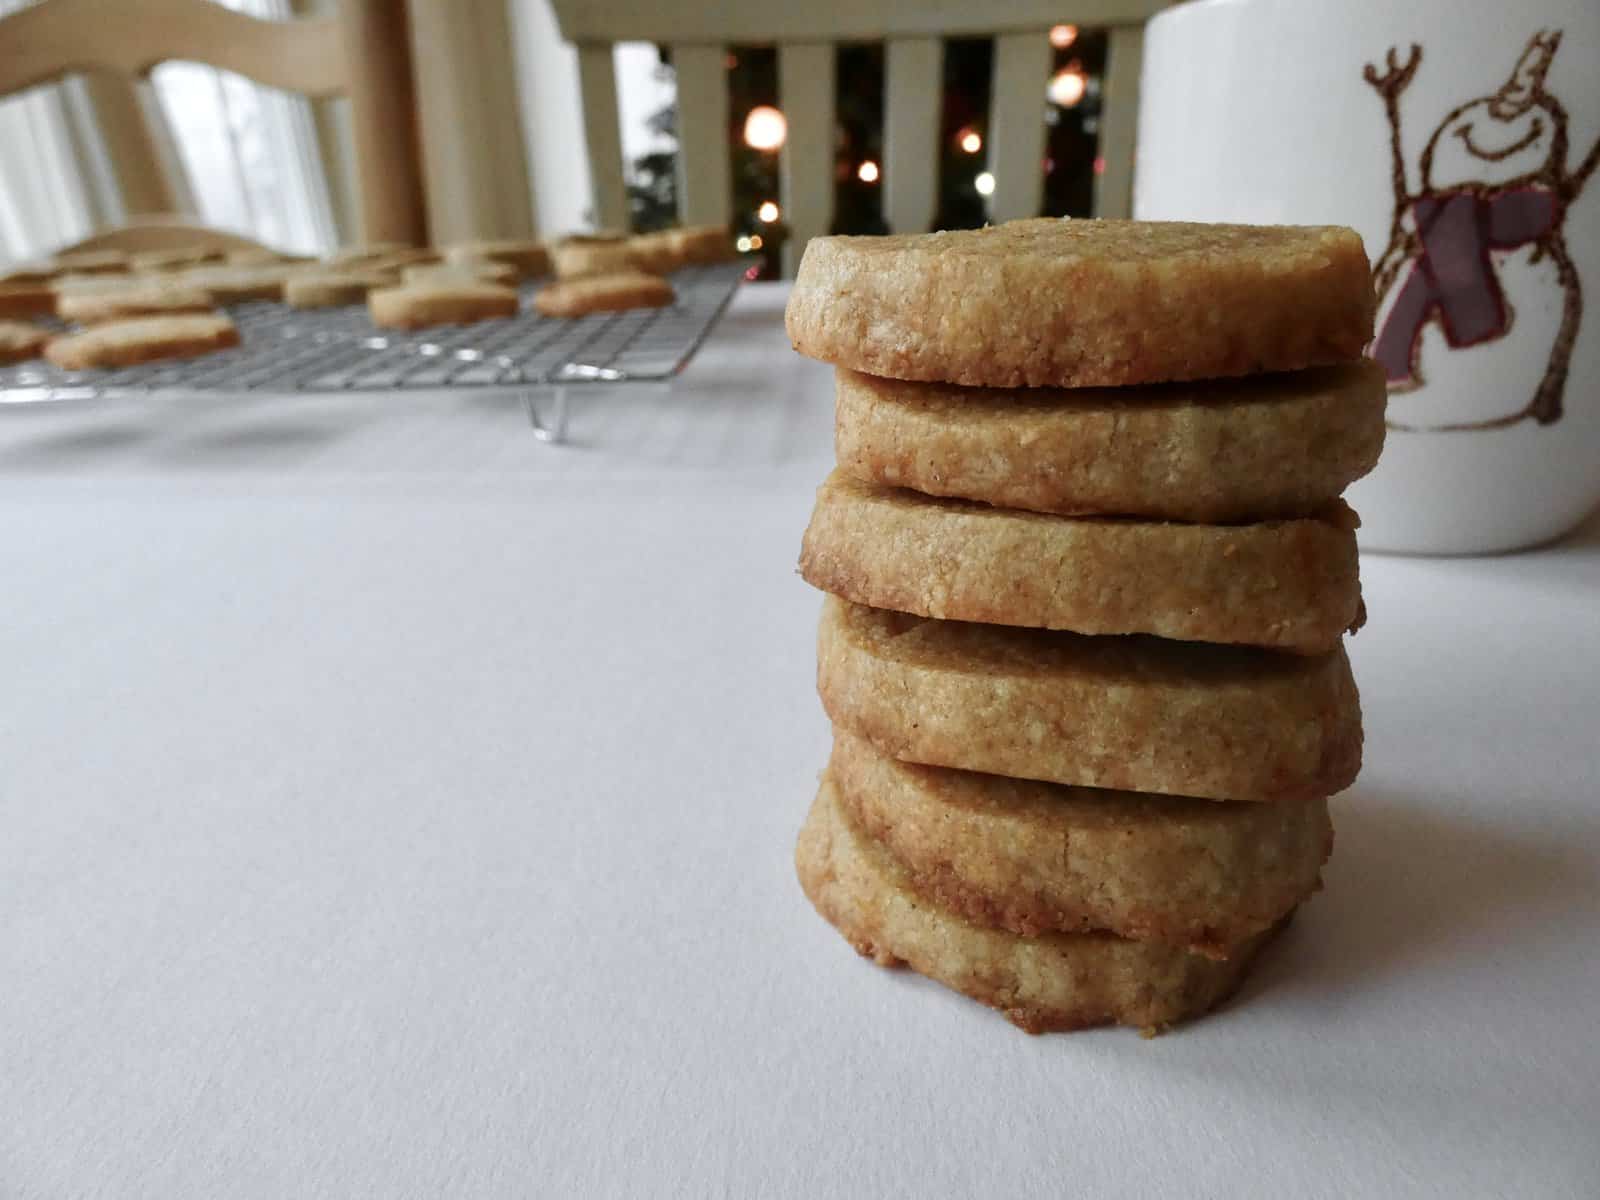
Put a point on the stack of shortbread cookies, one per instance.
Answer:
(1089, 576)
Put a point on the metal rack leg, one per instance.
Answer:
(552, 425)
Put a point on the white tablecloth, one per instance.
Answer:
(396, 806)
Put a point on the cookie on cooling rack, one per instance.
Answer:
(612, 292)
(440, 302)
(20, 341)
(455, 270)
(332, 289)
(27, 299)
(141, 340)
(527, 258)
(144, 299)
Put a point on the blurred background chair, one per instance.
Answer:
(698, 35)
(359, 50)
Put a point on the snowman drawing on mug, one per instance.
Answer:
(1480, 239)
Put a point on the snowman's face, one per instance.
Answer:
(1476, 146)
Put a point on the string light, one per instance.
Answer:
(1067, 87)
(743, 245)
(985, 184)
(867, 172)
(755, 241)
(1062, 36)
(769, 211)
(765, 128)
(970, 140)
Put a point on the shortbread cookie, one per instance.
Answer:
(229, 284)
(527, 258)
(604, 293)
(1244, 449)
(29, 273)
(332, 289)
(657, 253)
(574, 259)
(20, 341)
(175, 258)
(457, 269)
(1136, 713)
(140, 299)
(92, 262)
(1035, 857)
(445, 302)
(143, 339)
(261, 256)
(350, 255)
(1056, 981)
(1291, 585)
(1078, 303)
(697, 244)
(27, 300)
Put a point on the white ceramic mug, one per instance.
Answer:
(1461, 139)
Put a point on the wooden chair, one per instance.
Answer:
(699, 33)
(361, 52)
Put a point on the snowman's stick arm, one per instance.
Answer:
(1586, 168)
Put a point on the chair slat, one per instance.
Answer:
(705, 192)
(914, 69)
(1016, 124)
(1113, 187)
(805, 88)
(602, 130)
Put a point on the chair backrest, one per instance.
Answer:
(361, 52)
(806, 34)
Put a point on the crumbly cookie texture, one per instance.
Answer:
(1134, 713)
(1243, 449)
(527, 258)
(1291, 585)
(1034, 857)
(141, 299)
(27, 299)
(143, 339)
(1057, 981)
(604, 293)
(332, 289)
(1084, 303)
(20, 341)
(443, 302)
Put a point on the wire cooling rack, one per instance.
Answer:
(293, 352)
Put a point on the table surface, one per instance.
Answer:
(394, 806)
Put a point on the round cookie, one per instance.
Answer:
(1138, 714)
(1038, 857)
(143, 339)
(1291, 585)
(441, 302)
(1245, 449)
(1057, 981)
(143, 298)
(1050, 302)
(613, 292)
(20, 342)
